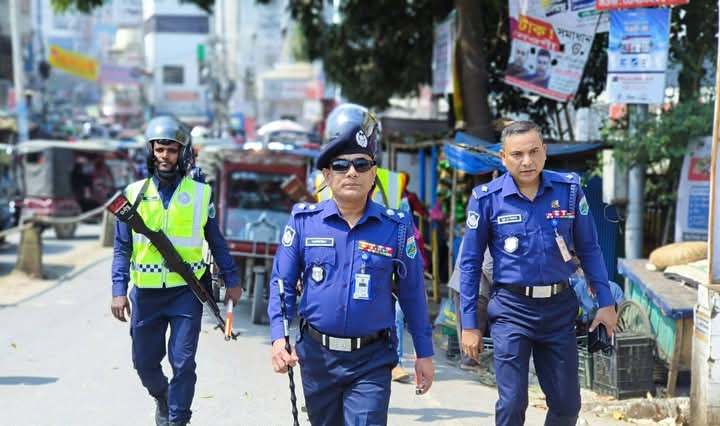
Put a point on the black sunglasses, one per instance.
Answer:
(342, 165)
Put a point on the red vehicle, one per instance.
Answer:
(63, 179)
(252, 207)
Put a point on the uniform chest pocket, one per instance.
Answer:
(319, 261)
(565, 229)
(376, 263)
(511, 238)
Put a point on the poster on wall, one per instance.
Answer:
(632, 4)
(638, 55)
(551, 42)
(693, 195)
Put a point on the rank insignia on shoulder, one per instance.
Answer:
(288, 236)
(411, 247)
(484, 188)
(369, 247)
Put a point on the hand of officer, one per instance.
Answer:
(119, 305)
(233, 293)
(424, 374)
(606, 316)
(281, 359)
(472, 343)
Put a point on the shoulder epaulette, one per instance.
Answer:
(487, 188)
(395, 215)
(567, 177)
(306, 208)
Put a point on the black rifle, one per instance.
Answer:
(126, 212)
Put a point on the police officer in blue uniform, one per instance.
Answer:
(532, 220)
(154, 309)
(348, 251)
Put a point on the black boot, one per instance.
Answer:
(161, 410)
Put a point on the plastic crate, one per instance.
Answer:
(585, 363)
(628, 371)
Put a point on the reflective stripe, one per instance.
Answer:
(157, 268)
(197, 237)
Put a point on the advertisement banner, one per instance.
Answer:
(638, 55)
(73, 63)
(693, 195)
(632, 4)
(551, 42)
(442, 59)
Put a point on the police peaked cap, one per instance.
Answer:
(349, 129)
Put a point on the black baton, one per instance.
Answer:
(286, 328)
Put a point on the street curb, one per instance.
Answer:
(59, 281)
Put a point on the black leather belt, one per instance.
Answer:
(344, 344)
(539, 291)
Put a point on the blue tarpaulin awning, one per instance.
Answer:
(465, 153)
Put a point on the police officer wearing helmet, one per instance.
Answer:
(183, 209)
(348, 250)
(532, 220)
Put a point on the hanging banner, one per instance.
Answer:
(73, 63)
(693, 194)
(637, 55)
(443, 44)
(550, 46)
(632, 4)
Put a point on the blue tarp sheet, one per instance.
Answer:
(474, 162)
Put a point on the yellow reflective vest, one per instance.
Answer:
(184, 224)
(389, 188)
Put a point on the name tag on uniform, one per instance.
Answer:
(319, 242)
(362, 287)
(509, 218)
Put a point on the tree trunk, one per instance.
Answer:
(472, 70)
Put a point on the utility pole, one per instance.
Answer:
(705, 374)
(636, 191)
(19, 83)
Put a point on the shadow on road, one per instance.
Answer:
(26, 380)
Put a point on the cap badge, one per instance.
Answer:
(361, 139)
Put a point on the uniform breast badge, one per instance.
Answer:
(511, 244)
(318, 273)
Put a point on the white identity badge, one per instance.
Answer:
(562, 247)
(317, 273)
(511, 244)
(362, 287)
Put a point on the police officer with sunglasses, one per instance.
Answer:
(348, 251)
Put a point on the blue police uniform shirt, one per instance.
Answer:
(319, 246)
(521, 236)
(122, 247)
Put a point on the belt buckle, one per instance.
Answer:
(339, 344)
(543, 291)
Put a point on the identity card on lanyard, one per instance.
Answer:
(560, 241)
(362, 287)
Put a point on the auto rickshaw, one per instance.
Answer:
(65, 179)
(252, 207)
(8, 188)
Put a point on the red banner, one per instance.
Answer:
(537, 32)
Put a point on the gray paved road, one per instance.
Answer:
(65, 361)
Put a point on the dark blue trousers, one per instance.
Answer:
(152, 311)
(545, 328)
(346, 388)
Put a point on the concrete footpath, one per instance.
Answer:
(65, 361)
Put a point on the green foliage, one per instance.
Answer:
(661, 142)
(383, 48)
